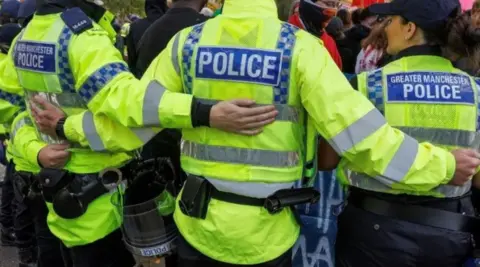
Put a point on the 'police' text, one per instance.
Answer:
(239, 64)
(430, 87)
(35, 56)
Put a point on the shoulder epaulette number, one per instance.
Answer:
(77, 20)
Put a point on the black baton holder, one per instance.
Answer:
(291, 197)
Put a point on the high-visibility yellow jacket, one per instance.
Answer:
(430, 100)
(82, 72)
(236, 55)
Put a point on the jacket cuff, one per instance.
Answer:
(35, 148)
(200, 114)
(451, 166)
(69, 129)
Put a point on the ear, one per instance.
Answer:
(409, 30)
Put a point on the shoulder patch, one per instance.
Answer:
(77, 20)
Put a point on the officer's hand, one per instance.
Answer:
(239, 116)
(467, 162)
(54, 156)
(46, 115)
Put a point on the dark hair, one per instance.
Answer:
(377, 38)
(459, 37)
(463, 38)
(356, 16)
(345, 16)
(365, 14)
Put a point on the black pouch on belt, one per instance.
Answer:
(52, 180)
(196, 196)
(70, 205)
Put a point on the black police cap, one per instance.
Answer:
(427, 14)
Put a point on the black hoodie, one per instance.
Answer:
(354, 39)
(154, 10)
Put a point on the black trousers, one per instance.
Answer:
(33, 235)
(367, 239)
(50, 248)
(190, 257)
(107, 252)
(7, 207)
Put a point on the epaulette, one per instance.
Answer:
(77, 20)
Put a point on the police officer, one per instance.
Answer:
(7, 208)
(36, 244)
(413, 220)
(233, 209)
(46, 59)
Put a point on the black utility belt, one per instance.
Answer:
(419, 214)
(71, 193)
(198, 191)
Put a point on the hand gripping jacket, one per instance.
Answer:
(43, 61)
(431, 101)
(250, 52)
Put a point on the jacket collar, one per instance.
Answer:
(250, 8)
(420, 50)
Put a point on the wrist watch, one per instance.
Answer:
(59, 130)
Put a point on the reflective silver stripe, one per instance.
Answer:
(447, 137)
(403, 160)
(175, 63)
(144, 134)
(236, 155)
(396, 170)
(285, 112)
(91, 133)
(20, 123)
(357, 132)
(151, 103)
(249, 189)
(379, 185)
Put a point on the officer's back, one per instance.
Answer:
(244, 53)
(247, 52)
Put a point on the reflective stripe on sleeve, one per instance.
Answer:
(19, 124)
(285, 112)
(99, 79)
(249, 189)
(397, 168)
(93, 138)
(380, 184)
(144, 134)
(357, 132)
(175, 63)
(403, 160)
(235, 155)
(151, 103)
(447, 137)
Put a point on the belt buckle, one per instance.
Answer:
(272, 205)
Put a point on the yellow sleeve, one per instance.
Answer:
(98, 128)
(105, 83)
(358, 132)
(100, 133)
(25, 140)
(11, 93)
